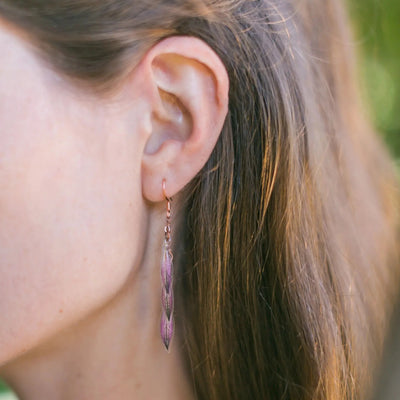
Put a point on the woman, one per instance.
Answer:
(282, 226)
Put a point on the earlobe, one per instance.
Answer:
(189, 102)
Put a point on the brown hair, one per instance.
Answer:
(288, 266)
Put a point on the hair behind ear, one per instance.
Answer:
(276, 252)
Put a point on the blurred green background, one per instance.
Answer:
(376, 25)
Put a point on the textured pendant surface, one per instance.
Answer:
(167, 272)
(167, 330)
(166, 265)
(167, 296)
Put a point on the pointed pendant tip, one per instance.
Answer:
(166, 345)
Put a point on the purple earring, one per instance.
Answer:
(167, 295)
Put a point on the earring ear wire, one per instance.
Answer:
(167, 295)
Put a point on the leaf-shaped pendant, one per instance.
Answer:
(167, 295)
(167, 330)
(166, 266)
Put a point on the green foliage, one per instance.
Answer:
(3, 388)
(377, 28)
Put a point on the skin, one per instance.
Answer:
(82, 217)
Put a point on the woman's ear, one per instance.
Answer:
(185, 86)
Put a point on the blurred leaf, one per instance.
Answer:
(377, 28)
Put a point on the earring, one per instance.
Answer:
(167, 295)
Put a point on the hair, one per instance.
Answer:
(287, 245)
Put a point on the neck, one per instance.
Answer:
(114, 353)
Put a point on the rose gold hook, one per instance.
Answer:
(164, 183)
(168, 199)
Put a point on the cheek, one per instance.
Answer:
(68, 233)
